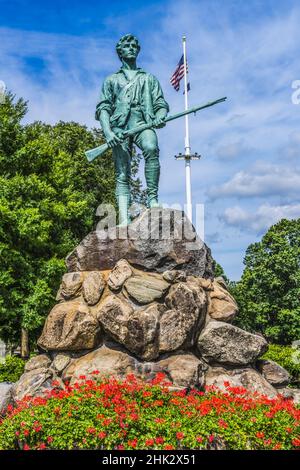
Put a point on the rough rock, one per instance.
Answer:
(273, 372)
(227, 344)
(157, 249)
(38, 362)
(70, 286)
(5, 395)
(109, 362)
(184, 370)
(60, 362)
(206, 284)
(181, 322)
(146, 288)
(174, 276)
(143, 332)
(92, 287)
(70, 326)
(119, 274)
(222, 305)
(113, 314)
(32, 383)
(247, 378)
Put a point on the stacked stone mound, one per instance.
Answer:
(145, 305)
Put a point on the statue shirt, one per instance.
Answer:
(119, 95)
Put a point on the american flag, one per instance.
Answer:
(178, 74)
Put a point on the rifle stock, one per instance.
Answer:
(98, 151)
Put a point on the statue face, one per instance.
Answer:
(129, 49)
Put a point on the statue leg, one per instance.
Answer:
(122, 161)
(147, 142)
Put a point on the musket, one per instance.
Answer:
(96, 152)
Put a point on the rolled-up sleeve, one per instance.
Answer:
(105, 100)
(158, 96)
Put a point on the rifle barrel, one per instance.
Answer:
(96, 152)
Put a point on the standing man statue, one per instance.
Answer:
(129, 98)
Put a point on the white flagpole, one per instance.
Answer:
(187, 141)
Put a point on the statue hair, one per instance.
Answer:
(126, 38)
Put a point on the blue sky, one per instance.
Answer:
(56, 55)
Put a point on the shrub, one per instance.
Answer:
(11, 369)
(287, 357)
(111, 414)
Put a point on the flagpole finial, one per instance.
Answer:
(184, 38)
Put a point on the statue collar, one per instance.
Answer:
(139, 70)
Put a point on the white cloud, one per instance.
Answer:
(260, 220)
(263, 180)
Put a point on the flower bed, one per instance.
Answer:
(111, 414)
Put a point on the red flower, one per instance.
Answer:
(102, 435)
(26, 447)
(267, 442)
(26, 432)
(107, 421)
(179, 435)
(42, 446)
(223, 423)
(159, 440)
(296, 442)
(17, 433)
(96, 372)
(91, 430)
(82, 377)
(49, 439)
(158, 403)
(260, 435)
(120, 447)
(133, 443)
(159, 420)
(168, 447)
(289, 430)
(199, 439)
(56, 410)
(149, 442)
(211, 438)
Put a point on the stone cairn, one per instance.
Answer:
(145, 304)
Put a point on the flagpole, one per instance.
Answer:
(187, 140)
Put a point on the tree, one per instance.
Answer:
(268, 293)
(48, 199)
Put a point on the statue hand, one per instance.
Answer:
(113, 139)
(159, 122)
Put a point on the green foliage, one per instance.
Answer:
(268, 293)
(134, 415)
(219, 271)
(287, 357)
(48, 200)
(11, 369)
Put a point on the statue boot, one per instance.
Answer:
(152, 173)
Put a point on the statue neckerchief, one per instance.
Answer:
(129, 98)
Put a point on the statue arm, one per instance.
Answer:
(160, 106)
(104, 110)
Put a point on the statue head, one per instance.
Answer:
(128, 47)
